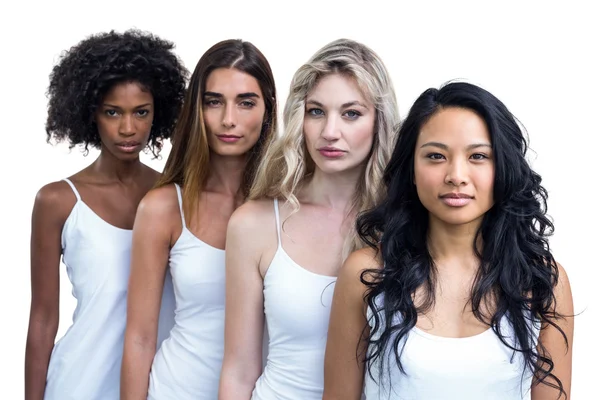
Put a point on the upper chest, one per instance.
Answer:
(314, 238)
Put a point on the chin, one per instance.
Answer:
(334, 166)
(229, 151)
(127, 156)
(458, 217)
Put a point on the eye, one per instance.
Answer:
(111, 113)
(435, 156)
(315, 112)
(479, 156)
(212, 103)
(247, 104)
(351, 114)
(142, 113)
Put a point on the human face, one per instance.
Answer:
(234, 109)
(339, 124)
(124, 119)
(454, 167)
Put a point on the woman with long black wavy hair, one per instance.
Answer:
(458, 295)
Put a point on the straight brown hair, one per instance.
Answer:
(188, 161)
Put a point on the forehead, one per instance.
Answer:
(231, 82)
(454, 126)
(127, 91)
(336, 89)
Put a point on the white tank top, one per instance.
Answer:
(297, 308)
(440, 368)
(86, 362)
(188, 363)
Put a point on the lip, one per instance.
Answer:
(331, 152)
(129, 146)
(456, 199)
(228, 138)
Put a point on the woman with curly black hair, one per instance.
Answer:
(458, 295)
(119, 93)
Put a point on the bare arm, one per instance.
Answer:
(149, 257)
(244, 316)
(344, 372)
(554, 342)
(50, 212)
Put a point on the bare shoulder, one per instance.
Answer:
(562, 291)
(56, 198)
(159, 203)
(253, 216)
(353, 270)
(360, 260)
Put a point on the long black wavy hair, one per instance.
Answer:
(517, 272)
(88, 70)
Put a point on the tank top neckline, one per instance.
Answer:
(281, 250)
(439, 338)
(94, 213)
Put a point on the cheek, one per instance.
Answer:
(255, 122)
(485, 181)
(427, 181)
(361, 138)
(250, 123)
(106, 127)
(211, 120)
(311, 130)
(146, 125)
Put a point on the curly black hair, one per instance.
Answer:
(88, 70)
(517, 269)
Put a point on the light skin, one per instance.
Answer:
(337, 116)
(111, 186)
(453, 154)
(233, 105)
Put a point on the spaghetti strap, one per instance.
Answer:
(276, 205)
(180, 201)
(73, 187)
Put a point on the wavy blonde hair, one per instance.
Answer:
(287, 163)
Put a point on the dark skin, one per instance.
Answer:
(112, 186)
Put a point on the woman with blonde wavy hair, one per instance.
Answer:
(285, 245)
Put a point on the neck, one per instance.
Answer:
(334, 191)
(111, 167)
(449, 242)
(226, 173)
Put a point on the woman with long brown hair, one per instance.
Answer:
(229, 118)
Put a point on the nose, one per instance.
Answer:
(126, 125)
(457, 173)
(229, 117)
(331, 130)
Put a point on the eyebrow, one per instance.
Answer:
(345, 105)
(246, 95)
(445, 147)
(113, 106)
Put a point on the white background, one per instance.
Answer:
(539, 58)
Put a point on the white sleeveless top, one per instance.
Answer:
(86, 362)
(440, 368)
(188, 363)
(297, 308)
